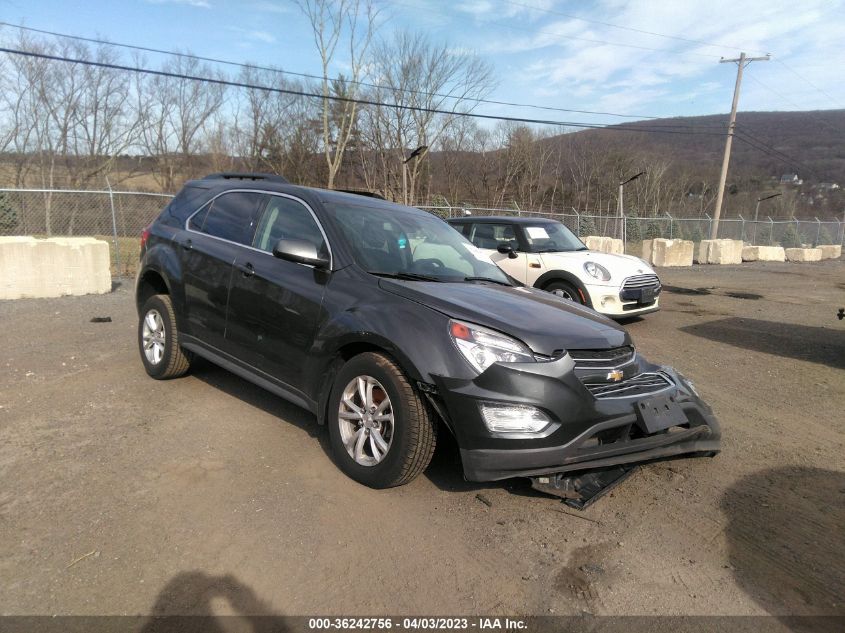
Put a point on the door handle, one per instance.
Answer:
(187, 245)
(247, 270)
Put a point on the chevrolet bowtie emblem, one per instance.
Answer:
(616, 375)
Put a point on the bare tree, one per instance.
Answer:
(424, 79)
(352, 22)
(175, 114)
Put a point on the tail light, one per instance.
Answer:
(145, 234)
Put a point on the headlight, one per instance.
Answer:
(483, 347)
(597, 270)
(513, 418)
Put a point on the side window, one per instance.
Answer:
(232, 217)
(489, 236)
(287, 219)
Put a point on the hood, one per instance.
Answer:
(541, 320)
(619, 266)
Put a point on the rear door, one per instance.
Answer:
(208, 249)
(275, 305)
(487, 236)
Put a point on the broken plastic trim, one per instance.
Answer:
(581, 489)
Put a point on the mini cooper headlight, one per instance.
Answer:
(597, 270)
(483, 347)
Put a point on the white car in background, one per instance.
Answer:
(545, 254)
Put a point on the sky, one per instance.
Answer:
(637, 57)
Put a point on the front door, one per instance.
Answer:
(275, 305)
(487, 237)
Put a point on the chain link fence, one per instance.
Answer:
(633, 229)
(120, 216)
(115, 216)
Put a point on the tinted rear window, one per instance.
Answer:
(231, 216)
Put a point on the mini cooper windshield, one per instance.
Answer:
(393, 243)
(551, 237)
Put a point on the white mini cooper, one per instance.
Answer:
(545, 254)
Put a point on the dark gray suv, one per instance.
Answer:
(385, 323)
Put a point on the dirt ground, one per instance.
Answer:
(123, 495)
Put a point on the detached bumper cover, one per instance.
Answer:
(586, 432)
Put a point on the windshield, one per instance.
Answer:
(551, 237)
(392, 241)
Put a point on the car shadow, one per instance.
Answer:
(446, 471)
(803, 342)
(259, 398)
(784, 539)
(187, 601)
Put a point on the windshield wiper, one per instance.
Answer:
(405, 275)
(490, 279)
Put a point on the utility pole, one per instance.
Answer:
(741, 63)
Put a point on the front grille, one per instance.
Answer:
(641, 385)
(602, 358)
(641, 281)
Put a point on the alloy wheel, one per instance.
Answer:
(365, 420)
(153, 337)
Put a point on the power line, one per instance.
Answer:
(808, 82)
(792, 103)
(214, 60)
(314, 95)
(774, 153)
(623, 28)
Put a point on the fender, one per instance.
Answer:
(564, 275)
(403, 337)
(161, 259)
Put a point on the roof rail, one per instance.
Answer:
(225, 175)
(363, 192)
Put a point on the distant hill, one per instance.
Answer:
(813, 142)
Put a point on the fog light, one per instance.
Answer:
(513, 418)
(608, 300)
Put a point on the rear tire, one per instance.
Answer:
(392, 440)
(565, 290)
(158, 340)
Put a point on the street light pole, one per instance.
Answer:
(415, 154)
(619, 209)
(757, 209)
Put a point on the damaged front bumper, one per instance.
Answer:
(587, 432)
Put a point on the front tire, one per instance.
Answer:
(565, 290)
(380, 429)
(158, 340)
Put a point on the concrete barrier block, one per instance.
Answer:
(763, 254)
(803, 254)
(53, 267)
(671, 252)
(831, 251)
(719, 252)
(604, 244)
(617, 247)
(594, 242)
(648, 251)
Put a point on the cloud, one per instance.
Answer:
(201, 4)
(254, 35)
(603, 75)
(271, 7)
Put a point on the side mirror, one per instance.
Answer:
(301, 252)
(505, 248)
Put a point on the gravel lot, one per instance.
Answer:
(123, 495)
